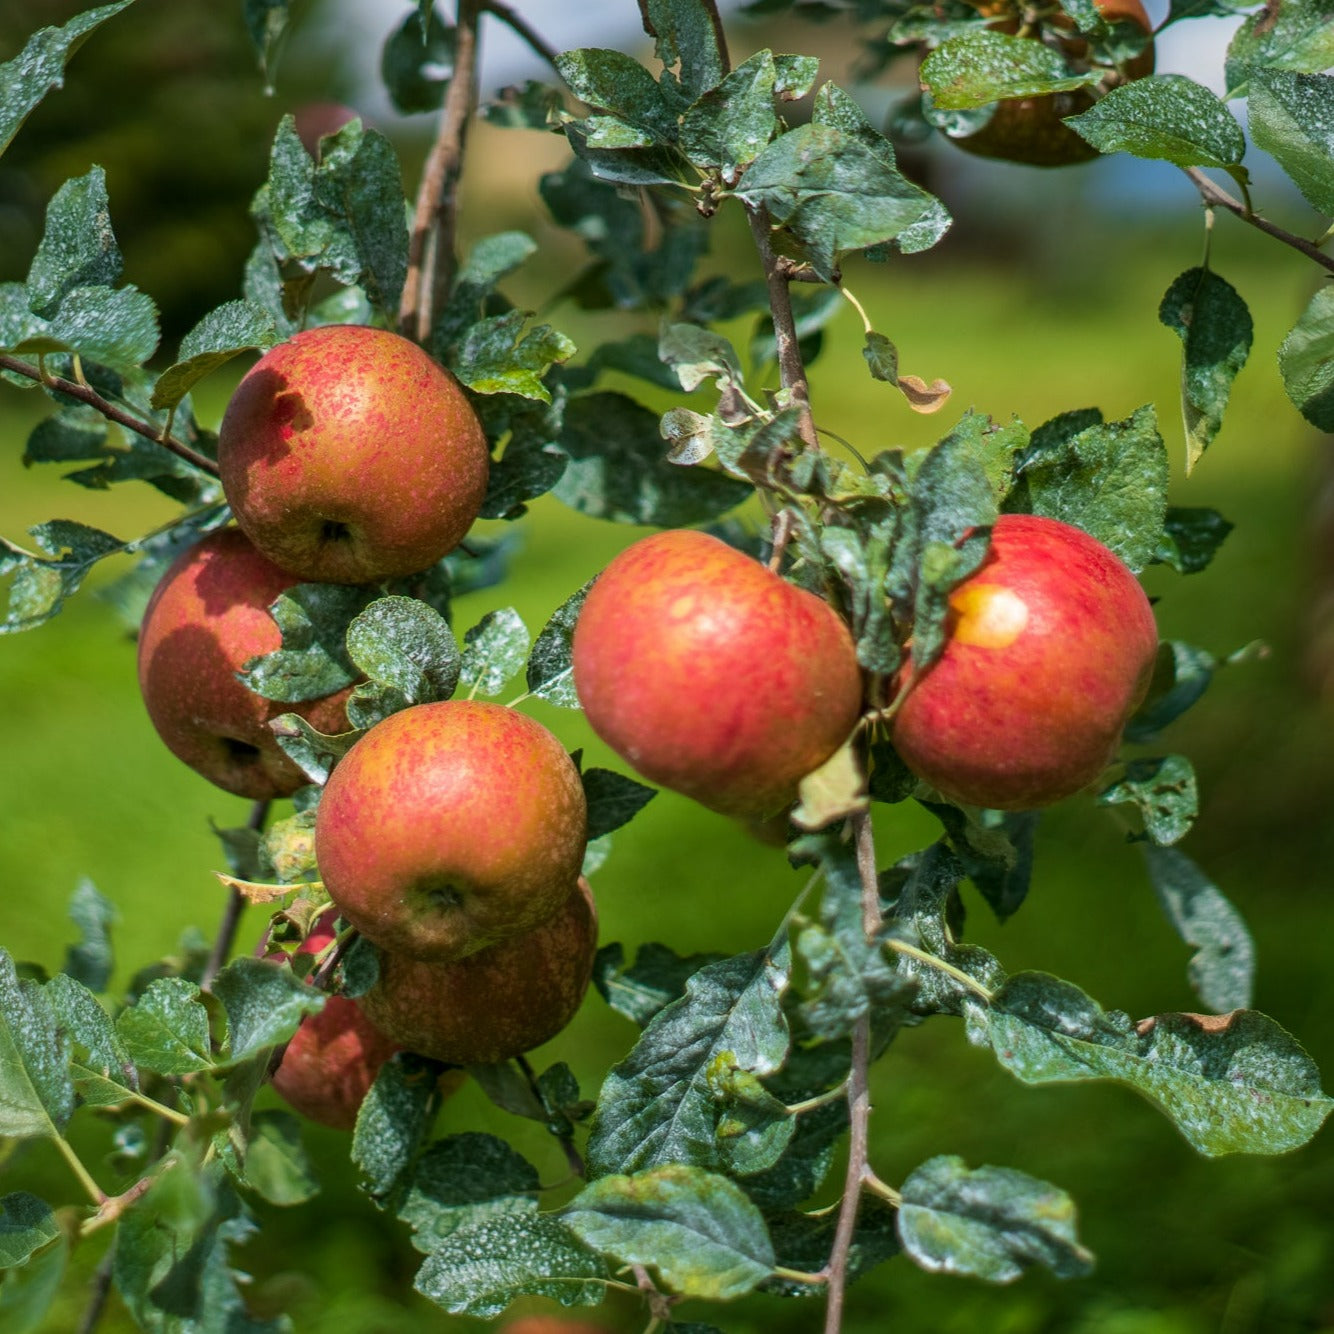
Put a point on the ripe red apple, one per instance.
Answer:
(1031, 129)
(207, 616)
(495, 1004)
(313, 120)
(333, 1058)
(450, 826)
(1050, 650)
(713, 676)
(349, 456)
(551, 1324)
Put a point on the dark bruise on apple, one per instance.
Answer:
(207, 617)
(450, 826)
(1050, 649)
(349, 456)
(495, 1004)
(713, 676)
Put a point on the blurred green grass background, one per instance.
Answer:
(1024, 313)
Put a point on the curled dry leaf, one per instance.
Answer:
(923, 397)
(253, 891)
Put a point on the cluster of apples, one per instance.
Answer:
(452, 834)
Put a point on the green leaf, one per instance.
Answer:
(28, 1292)
(264, 1004)
(995, 850)
(166, 1030)
(237, 326)
(78, 247)
(1191, 538)
(1109, 479)
(417, 62)
(313, 660)
(480, 1268)
(728, 126)
(657, 977)
(117, 328)
(1166, 116)
(981, 67)
(266, 22)
(805, 1242)
(1297, 35)
(619, 469)
(657, 1106)
(497, 357)
(493, 651)
(1231, 1084)
(533, 106)
(696, 354)
(26, 1225)
(1222, 969)
(107, 1076)
(407, 646)
(276, 1166)
(315, 753)
(991, 1222)
(550, 673)
(1306, 360)
(1215, 329)
(36, 1091)
(40, 66)
(42, 583)
(532, 464)
(1165, 792)
(833, 193)
(91, 960)
(1181, 674)
(686, 33)
(613, 800)
(616, 82)
(809, 1154)
(1292, 118)
(393, 1124)
(698, 1230)
(465, 1180)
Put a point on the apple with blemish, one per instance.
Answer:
(207, 617)
(349, 456)
(712, 675)
(1051, 646)
(451, 826)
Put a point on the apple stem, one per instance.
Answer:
(85, 393)
(231, 916)
(431, 257)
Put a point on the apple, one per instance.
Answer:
(1050, 648)
(349, 456)
(313, 120)
(1031, 129)
(711, 675)
(497, 1003)
(208, 616)
(450, 826)
(334, 1056)
(550, 1324)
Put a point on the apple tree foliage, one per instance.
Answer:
(702, 1149)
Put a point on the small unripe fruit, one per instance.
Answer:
(450, 826)
(349, 456)
(208, 616)
(713, 676)
(1051, 648)
(496, 1004)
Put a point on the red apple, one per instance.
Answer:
(449, 827)
(550, 1324)
(313, 120)
(333, 1058)
(713, 676)
(349, 456)
(1050, 650)
(207, 616)
(498, 1003)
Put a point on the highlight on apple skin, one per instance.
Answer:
(207, 617)
(451, 826)
(496, 1004)
(713, 676)
(348, 455)
(1050, 649)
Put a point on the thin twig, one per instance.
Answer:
(859, 1096)
(431, 257)
(1215, 194)
(231, 917)
(87, 394)
(573, 1157)
(521, 28)
(101, 1290)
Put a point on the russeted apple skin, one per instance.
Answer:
(349, 456)
(495, 1004)
(450, 826)
(208, 616)
(1051, 648)
(711, 675)
(1031, 129)
(334, 1056)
